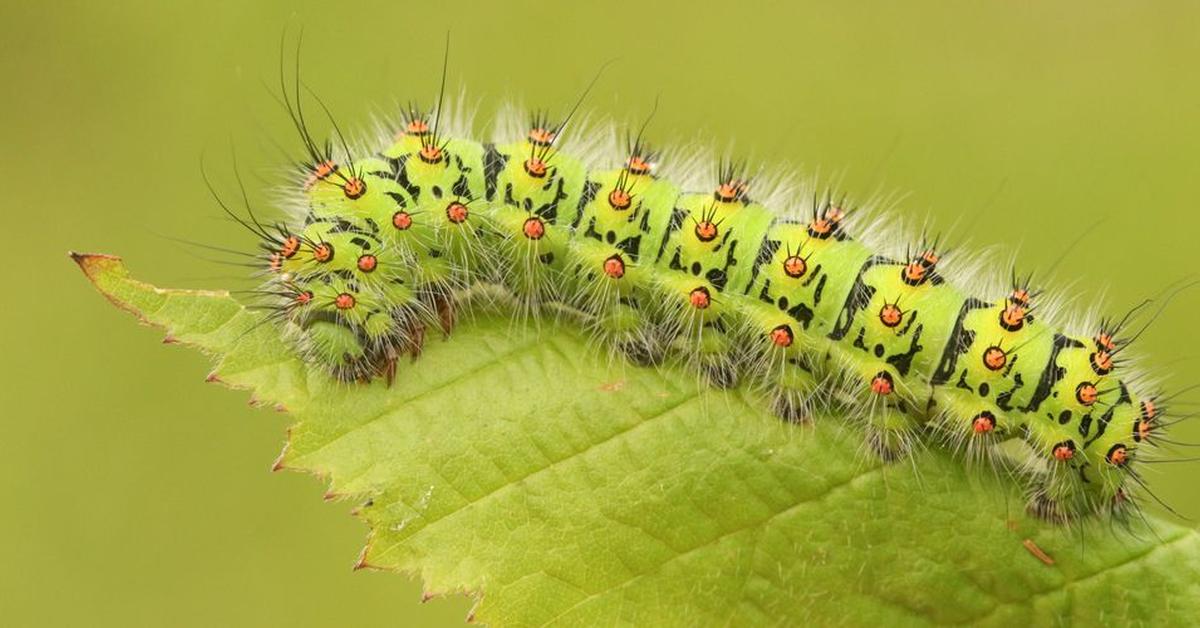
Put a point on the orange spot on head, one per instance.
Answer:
(304, 298)
(1086, 393)
(323, 252)
(535, 167)
(795, 266)
(1117, 456)
(354, 188)
(291, 246)
(402, 220)
(344, 301)
(457, 212)
(700, 298)
(534, 228)
(983, 423)
(367, 263)
(540, 136)
(1105, 342)
(619, 199)
(882, 383)
(614, 267)
(782, 336)
(1064, 451)
(706, 231)
(638, 165)
(730, 191)
(430, 154)
(890, 315)
(994, 358)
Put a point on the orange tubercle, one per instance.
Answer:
(354, 188)
(782, 336)
(534, 228)
(614, 267)
(882, 384)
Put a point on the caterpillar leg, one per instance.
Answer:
(793, 395)
(969, 426)
(446, 314)
(632, 333)
(886, 405)
(774, 360)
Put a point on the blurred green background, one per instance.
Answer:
(136, 494)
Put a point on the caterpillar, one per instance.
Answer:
(743, 282)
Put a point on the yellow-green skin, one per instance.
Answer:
(819, 337)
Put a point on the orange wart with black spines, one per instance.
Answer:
(770, 289)
(826, 222)
(708, 226)
(795, 262)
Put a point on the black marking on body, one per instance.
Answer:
(547, 211)
(1004, 399)
(493, 165)
(858, 298)
(342, 225)
(957, 344)
(1102, 424)
(677, 217)
(903, 361)
(1052, 373)
(401, 200)
(766, 253)
(462, 187)
(589, 193)
(402, 179)
(631, 246)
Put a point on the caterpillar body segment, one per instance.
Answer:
(791, 305)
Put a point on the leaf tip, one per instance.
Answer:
(91, 263)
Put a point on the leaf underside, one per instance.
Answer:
(558, 486)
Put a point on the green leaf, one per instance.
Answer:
(556, 487)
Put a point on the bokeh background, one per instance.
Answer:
(135, 494)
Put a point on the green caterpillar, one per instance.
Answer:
(789, 303)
